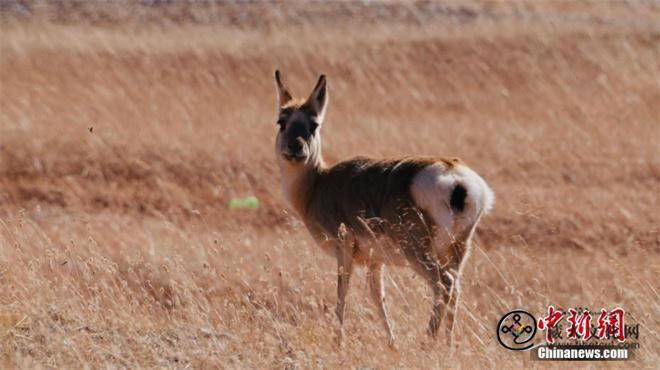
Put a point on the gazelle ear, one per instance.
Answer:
(283, 95)
(318, 100)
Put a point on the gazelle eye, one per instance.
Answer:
(281, 123)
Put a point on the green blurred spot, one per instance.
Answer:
(250, 202)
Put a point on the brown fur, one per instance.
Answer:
(376, 191)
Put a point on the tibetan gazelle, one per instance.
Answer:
(415, 211)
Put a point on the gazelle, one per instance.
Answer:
(415, 211)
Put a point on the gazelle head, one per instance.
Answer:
(298, 142)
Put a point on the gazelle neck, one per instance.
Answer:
(298, 180)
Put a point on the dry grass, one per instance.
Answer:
(123, 134)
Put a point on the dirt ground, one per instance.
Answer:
(126, 128)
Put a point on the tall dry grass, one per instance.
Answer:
(124, 132)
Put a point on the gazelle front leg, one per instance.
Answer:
(375, 280)
(344, 250)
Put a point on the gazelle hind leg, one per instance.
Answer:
(451, 306)
(426, 264)
(440, 298)
(460, 251)
(375, 281)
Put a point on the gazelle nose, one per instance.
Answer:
(296, 145)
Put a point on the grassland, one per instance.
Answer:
(126, 129)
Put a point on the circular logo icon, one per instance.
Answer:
(516, 330)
